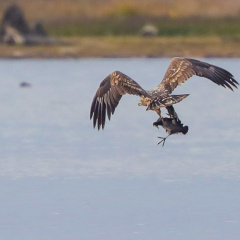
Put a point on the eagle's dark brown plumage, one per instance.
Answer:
(117, 84)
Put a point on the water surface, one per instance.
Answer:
(61, 179)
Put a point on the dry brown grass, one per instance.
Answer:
(52, 11)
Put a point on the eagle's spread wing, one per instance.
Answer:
(180, 69)
(109, 94)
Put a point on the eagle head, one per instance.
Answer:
(144, 101)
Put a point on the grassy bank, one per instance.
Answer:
(117, 26)
(111, 28)
(78, 47)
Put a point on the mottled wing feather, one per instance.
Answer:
(181, 69)
(109, 94)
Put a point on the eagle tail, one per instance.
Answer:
(167, 101)
(178, 98)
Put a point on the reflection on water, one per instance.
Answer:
(61, 179)
(45, 129)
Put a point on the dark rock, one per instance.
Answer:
(39, 30)
(15, 30)
(14, 17)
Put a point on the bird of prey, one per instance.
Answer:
(116, 84)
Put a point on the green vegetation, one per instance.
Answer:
(132, 25)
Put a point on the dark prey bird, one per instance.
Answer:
(116, 84)
(172, 126)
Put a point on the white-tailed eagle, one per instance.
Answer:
(116, 84)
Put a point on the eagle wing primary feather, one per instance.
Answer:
(181, 69)
(109, 94)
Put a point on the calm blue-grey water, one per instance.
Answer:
(61, 179)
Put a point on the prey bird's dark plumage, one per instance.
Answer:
(172, 126)
(116, 84)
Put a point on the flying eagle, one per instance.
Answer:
(116, 84)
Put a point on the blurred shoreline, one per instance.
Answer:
(127, 47)
(117, 29)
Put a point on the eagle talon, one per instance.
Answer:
(172, 116)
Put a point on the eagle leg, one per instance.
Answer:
(158, 111)
(171, 112)
(163, 140)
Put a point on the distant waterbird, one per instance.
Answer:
(25, 84)
(117, 84)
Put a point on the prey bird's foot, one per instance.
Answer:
(162, 141)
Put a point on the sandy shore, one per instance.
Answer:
(89, 47)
